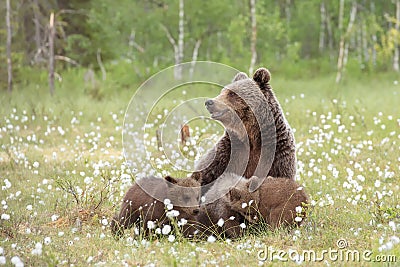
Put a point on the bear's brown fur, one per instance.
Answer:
(274, 201)
(258, 140)
(216, 216)
(144, 202)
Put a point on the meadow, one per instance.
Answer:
(63, 175)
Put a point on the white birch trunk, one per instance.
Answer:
(321, 45)
(179, 56)
(359, 45)
(38, 35)
(253, 35)
(287, 11)
(9, 59)
(100, 62)
(396, 44)
(365, 42)
(343, 48)
(341, 13)
(194, 57)
(330, 35)
(51, 53)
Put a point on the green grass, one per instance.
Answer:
(348, 140)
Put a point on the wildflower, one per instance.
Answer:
(211, 239)
(38, 249)
(47, 240)
(172, 213)
(244, 205)
(17, 261)
(220, 222)
(104, 222)
(299, 209)
(166, 229)
(151, 225)
(242, 225)
(171, 238)
(392, 225)
(182, 222)
(5, 216)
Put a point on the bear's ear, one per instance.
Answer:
(240, 76)
(235, 194)
(262, 76)
(170, 179)
(254, 183)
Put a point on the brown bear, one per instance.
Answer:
(277, 202)
(149, 200)
(216, 218)
(258, 140)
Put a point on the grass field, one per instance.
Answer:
(62, 176)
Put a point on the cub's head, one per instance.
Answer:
(184, 194)
(244, 199)
(242, 104)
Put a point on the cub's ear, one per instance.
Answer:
(254, 183)
(170, 179)
(240, 76)
(235, 194)
(262, 76)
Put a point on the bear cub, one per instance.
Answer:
(216, 216)
(146, 201)
(277, 201)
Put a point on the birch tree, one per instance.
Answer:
(396, 43)
(9, 59)
(51, 53)
(343, 46)
(253, 35)
(179, 45)
(322, 27)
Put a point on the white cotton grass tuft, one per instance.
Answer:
(17, 261)
(166, 229)
(38, 249)
(171, 238)
(211, 239)
(172, 213)
(299, 209)
(151, 225)
(298, 219)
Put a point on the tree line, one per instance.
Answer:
(153, 34)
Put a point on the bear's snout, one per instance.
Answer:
(209, 102)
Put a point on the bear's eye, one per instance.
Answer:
(231, 94)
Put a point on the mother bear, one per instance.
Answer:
(258, 141)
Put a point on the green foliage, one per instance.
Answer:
(132, 34)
